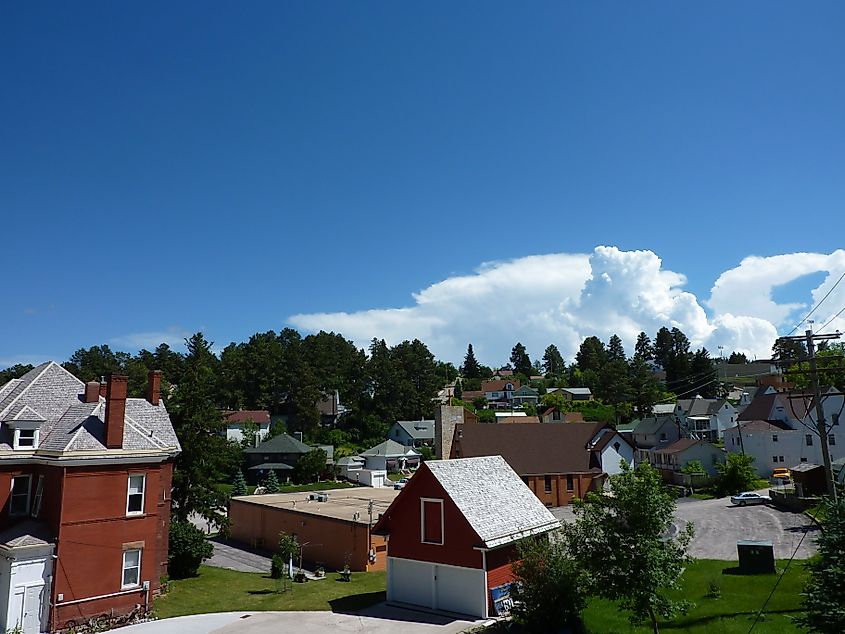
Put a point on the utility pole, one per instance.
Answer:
(820, 423)
(739, 431)
(808, 338)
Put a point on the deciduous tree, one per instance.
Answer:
(621, 540)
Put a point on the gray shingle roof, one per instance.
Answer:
(389, 448)
(417, 429)
(51, 395)
(497, 504)
(283, 443)
(701, 406)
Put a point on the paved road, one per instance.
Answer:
(719, 525)
(380, 619)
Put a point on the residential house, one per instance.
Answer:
(499, 392)
(554, 415)
(412, 433)
(354, 469)
(510, 420)
(557, 462)
(706, 418)
(452, 534)
(576, 393)
(656, 432)
(331, 409)
(391, 456)
(235, 422)
(772, 445)
(525, 396)
(280, 454)
(85, 481)
(671, 460)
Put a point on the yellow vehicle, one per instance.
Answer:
(780, 474)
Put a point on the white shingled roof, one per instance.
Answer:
(492, 497)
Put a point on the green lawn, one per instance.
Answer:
(742, 596)
(219, 590)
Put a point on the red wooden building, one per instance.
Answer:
(452, 533)
(85, 478)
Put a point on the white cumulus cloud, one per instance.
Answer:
(562, 298)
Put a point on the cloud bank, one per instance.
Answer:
(563, 298)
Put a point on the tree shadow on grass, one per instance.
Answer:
(684, 623)
(264, 591)
(356, 602)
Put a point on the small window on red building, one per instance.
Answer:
(431, 520)
(547, 484)
(570, 485)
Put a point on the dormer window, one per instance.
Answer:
(26, 439)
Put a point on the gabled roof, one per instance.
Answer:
(653, 424)
(701, 406)
(283, 443)
(390, 449)
(258, 416)
(511, 420)
(582, 391)
(682, 445)
(417, 429)
(495, 502)
(498, 385)
(526, 390)
(761, 426)
(663, 408)
(51, 395)
(532, 449)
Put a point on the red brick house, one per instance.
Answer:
(85, 479)
(558, 462)
(452, 533)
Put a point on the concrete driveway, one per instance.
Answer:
(719, 525)
(379, 619)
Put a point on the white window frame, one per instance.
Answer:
(39, 496)
(129, 493)
(422, 522)
(28, 494)
(17, 440)
(124, 568)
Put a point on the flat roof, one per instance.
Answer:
(342, 504)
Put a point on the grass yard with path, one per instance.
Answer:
(221, 590)
(327, 485)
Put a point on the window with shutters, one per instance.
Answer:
(431, 521)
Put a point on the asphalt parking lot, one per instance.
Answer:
(719, 525)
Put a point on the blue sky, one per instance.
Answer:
(171, 167)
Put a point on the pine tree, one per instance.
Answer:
(271, 482)
(553, 364)
(520, 360)
(615, 350)
(824, 594)
(458, 390)
(470, 369)
(239, 484)
(643, 349)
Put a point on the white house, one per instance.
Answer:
(613, 450)
(673, 458)
(706, 418)
(390, 456)
(235, 422)
(412, 433)
(353, 468)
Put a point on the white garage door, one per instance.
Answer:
(437, 587)
(461, 590)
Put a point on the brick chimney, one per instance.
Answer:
(154, 387)
(116, 387)
(92, 392)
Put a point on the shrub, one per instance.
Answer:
(277, 566)
(271, 484)
(188, 549)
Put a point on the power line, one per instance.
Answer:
(807, 316)
(831, 320)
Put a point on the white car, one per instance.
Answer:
(401, 484)
(749, 497)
